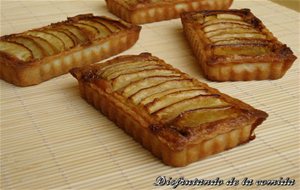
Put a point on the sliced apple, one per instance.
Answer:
(16, 50)
(223, 16)
(210, 17)
(221, 26)
(242, 41)
(36, 50)
(203, 101)
(134, 87)
(229, 16)
(233, 30)
(112, 25)
(173, 84)
(241, 35)
(68, 42)
(173, 98)
(114, 71)
(222, 21)
(52, 39)
(76, 31)
(89, 29)
(105, 66)
(110, 68)
(102, 30)
(133, 70)
(194, 118)
(48, 49)
(72, 36)
(158, 95)
(123, 80)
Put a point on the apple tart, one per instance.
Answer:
(146, 11)
(40, 54)
(176, 117)
(234, 45)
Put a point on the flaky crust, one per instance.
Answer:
(175, 144)
(146, 11)
(222, 61)
(89, 50)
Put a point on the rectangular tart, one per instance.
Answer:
(234, 45)
(176, 117)
(146, 11)
(40, 54)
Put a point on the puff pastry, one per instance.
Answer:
(176, 117)
(234, 45)
(40, 54)
(145, 11)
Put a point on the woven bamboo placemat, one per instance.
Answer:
(52, 139)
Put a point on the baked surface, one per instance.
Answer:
(146, 11)
(234, 45)
(176, 117)
(40, 54)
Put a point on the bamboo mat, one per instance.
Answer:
(52, 139)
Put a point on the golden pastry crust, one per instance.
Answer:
(234, 45)
(40, 54)
(146, 11)
(176, 117)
